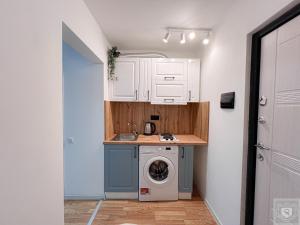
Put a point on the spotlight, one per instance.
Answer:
(192, 35)
(205, 41)
(182, 40)
(166, 38)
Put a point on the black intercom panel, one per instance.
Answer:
(227, 100)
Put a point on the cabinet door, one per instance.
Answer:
(185, 168)
(121, 168)
(169, 81)
(193, 80)
(125, 86)
(169, 69)
(168, 92)
(145, 80)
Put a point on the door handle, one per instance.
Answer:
(190, 95)
(183, 153)
(135, 152)
(263, 100)
(261, 120)
(260, 157)
(261, 146)
(136, 95)
(148, 94)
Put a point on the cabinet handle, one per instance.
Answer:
(135, 152)
(183, 153)
(190, 95)
(136, 95)
(148, 94)
(169, 100)
(169, 78)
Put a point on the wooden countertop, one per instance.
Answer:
(183, 139)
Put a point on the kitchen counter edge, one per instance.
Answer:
(187, 139)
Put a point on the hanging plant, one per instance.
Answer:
(112, 53)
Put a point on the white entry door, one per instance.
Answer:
(278, 149)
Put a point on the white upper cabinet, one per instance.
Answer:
(169, 69)
(156, 80)
(169, 81)
(193, 80)
(145, 80)
(126, 85)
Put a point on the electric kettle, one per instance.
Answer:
(150, 128)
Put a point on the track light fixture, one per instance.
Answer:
(166, 38)
(192, 34)
(205, 41)
(182, 39)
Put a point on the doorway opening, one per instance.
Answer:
(254, 106)
(83, 121)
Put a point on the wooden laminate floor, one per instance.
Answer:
(182, 212)
(79, 212)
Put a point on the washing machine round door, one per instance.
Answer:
(159, 171)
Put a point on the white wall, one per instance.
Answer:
(78, 18)
(31, 145)
(224, 68)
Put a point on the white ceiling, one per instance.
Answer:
(140, 24)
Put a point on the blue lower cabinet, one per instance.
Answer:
(121, 168)
(185, 168)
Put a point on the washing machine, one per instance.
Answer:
(158, 173)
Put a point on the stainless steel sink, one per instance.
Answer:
(125, 137)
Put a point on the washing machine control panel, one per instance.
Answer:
(158, 149)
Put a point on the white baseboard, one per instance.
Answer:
(212, 211)
(184, 195)
(121, 195)
(82, 197)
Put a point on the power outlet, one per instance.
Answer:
(154, 117)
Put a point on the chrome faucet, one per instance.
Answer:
(133, 128)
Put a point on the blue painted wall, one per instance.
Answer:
(83, 123)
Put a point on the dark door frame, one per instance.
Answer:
(253, 106)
